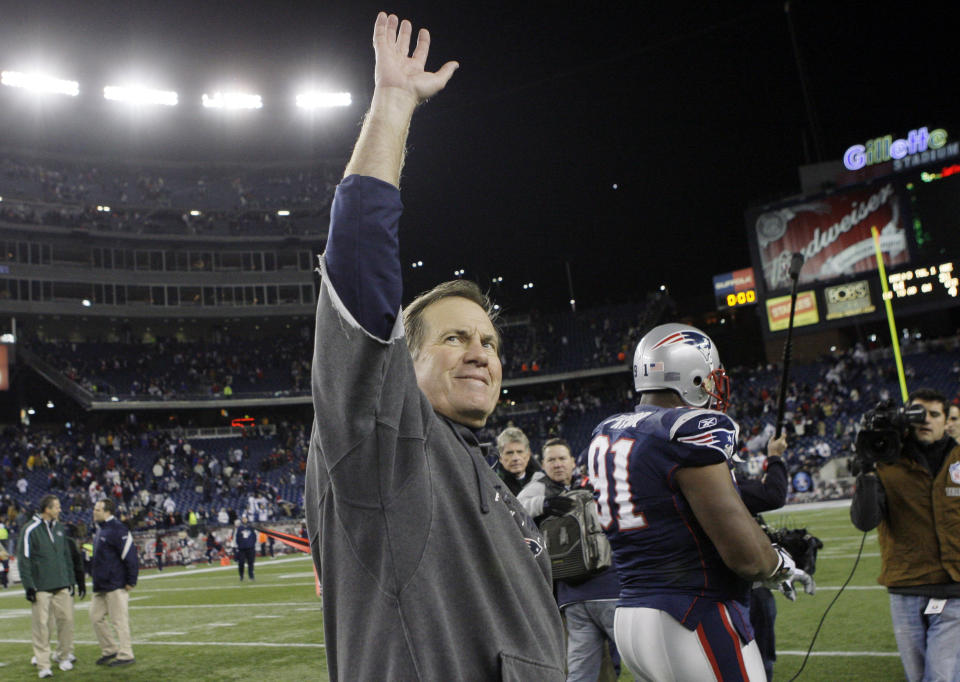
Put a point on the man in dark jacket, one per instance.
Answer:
(115, 570)
(589, 605)
(47, 573)
(245, 538)
(516, 467)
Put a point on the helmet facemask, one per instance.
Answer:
(717, 386)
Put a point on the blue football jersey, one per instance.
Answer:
(664, 558)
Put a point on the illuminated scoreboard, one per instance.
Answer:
(734, 289)
(935, 281)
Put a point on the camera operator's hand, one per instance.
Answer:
(777, 446)
(557, 505)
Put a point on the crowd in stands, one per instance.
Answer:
(171, 368)
(159, 477)
(172, 200)
(164, 369)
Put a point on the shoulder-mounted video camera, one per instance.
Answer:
(881, 434)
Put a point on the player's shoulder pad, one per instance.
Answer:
(701, 428)
(622, 422)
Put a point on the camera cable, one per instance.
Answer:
(853, 570)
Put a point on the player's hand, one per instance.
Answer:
(797, 576)
(785, 567)
(396, 68)
(31, 594)
(777, 446)
(557, 505)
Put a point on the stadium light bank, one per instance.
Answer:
(40, 83)
(323, 100)
(140, 95)
(232, 100)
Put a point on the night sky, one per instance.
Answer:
(694, 111)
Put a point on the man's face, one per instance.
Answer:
(458, 366)
(514, 457)
(933, 428)
(558, 463)
(99, 515)
(52, 512)
(953, 422)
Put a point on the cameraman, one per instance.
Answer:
(915, 500)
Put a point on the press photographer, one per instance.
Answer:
(909, 486)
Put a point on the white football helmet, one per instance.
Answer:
(681, 358)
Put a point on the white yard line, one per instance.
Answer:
(886, 654)
(276, 645)
(246, 585)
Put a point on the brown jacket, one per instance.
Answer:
(920, 535)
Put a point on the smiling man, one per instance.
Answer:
(431, 570)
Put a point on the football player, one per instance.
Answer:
(685, 546)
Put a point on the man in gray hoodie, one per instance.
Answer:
(431, 569)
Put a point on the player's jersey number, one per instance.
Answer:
(603, 458)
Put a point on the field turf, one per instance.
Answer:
(203, 624)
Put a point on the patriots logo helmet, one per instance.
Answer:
(682, 359)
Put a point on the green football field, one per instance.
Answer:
(203, 624)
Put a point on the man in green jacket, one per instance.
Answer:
(46, 569)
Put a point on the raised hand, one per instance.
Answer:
(396, 68)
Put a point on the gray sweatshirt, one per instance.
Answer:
(431, 569)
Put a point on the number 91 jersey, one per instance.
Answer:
(664, 558)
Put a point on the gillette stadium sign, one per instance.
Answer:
(919, 147)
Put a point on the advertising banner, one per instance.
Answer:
(852, 298)
(735, 288)
(778, 311)
(833, 234)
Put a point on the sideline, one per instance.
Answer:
(211, 569)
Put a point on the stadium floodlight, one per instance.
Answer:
(140, 95)
(194, 212)
(283, 212)
(318, 99)
(8, 338)
(40, 83)
(232, 100)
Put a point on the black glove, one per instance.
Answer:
(557, 505)
(82, 589)
(31, 594)
(71, 590)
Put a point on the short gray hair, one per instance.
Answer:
(512, 434)
(413, 325)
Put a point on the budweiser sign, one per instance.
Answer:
(833, 234)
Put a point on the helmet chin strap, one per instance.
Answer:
(719, 382)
